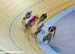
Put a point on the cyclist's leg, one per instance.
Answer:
(45, 38)
(49, 38)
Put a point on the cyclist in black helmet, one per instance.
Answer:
(43, 17)
(51, 32)
(27, 16)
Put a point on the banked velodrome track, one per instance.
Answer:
(12, 34)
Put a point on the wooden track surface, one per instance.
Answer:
(12, 36)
